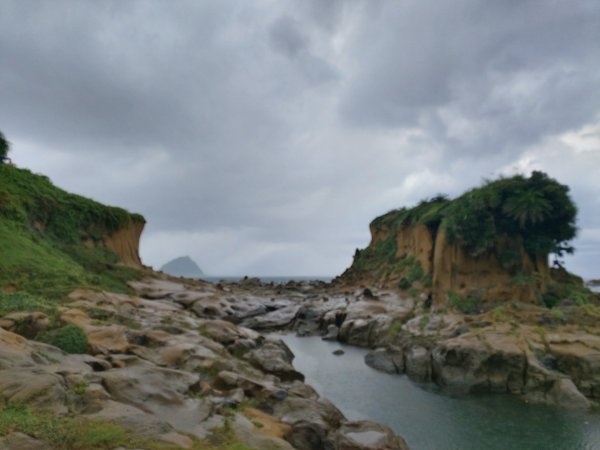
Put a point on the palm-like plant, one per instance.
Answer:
(527, 207)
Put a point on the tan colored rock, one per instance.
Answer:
(125, 243)
(27, 324)
(454, 269)
(269, 425)
(249, 434)
(75, 317)
(109, 339)
(20, 441)
(41, 389)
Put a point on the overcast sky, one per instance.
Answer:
(262, 137)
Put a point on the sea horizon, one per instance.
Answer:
(277, 279)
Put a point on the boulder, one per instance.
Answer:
(364, 435)
(39, 388)
(565, 393)
(418, 364)
(276, 358)
(389, 360)
(20, 441)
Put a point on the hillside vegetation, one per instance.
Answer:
(494, 240)
(52, 242)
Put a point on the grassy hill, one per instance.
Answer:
(52, 242)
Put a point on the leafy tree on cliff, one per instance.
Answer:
(538, 208)
(4, 147)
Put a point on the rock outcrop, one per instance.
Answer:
(426, 260)
(490, 244)
(172, 366)
(125, 242)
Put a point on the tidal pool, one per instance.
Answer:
(432, 421)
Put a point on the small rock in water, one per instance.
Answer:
(339, 352)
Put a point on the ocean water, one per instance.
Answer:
(432, 421)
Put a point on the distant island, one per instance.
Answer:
(184, 266)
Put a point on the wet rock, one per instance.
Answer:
(389, 360)
(308, 436)
(338, 352)
(466, 364)
(358, 332)
(565, 393)
(276, 358)
(418, 364)
(365, 435)
(332, 333)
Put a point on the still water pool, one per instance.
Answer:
(431, 421)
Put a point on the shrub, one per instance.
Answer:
(404, 284)
(550, 299)
(466, 305)
(69, 338)
(4, 147)
(415, 272)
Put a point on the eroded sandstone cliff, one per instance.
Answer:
(492, 243)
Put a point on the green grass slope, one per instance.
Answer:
(42, 235)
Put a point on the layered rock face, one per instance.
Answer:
(125, 243)
(442, 266)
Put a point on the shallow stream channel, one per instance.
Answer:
(429, 420)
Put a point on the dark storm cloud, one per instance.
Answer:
(513, 71)
(263, 136)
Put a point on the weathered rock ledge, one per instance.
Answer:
(166, 366)
(521, 349)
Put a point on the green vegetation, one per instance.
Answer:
(42, 235)
(428, 212)
(20, 301)
(69, 338)
(566, 287)
(67, 433)
(469, 304)
(537, 209)
(4, 147)
(74, 433)
(499, 314)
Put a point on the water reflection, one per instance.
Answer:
(431, 421)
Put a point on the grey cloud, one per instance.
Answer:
(264, 137)
(287, 37)
(515, 71)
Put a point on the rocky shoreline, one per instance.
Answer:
(542, 356)
(165, 366)
(184, 360)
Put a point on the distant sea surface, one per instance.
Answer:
(594, 287)
(267, 279)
